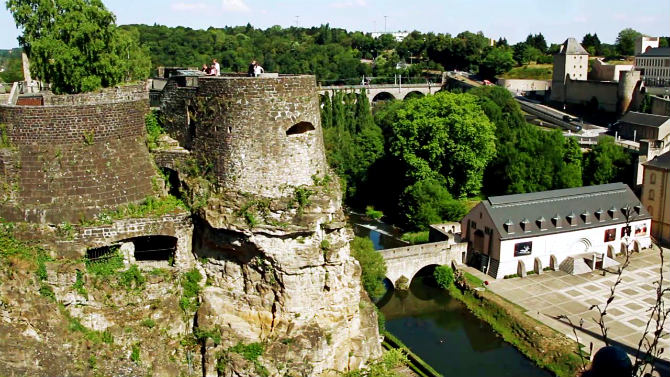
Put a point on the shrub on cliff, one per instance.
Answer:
(75, 45)
(372, 265)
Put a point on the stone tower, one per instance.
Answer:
(570, 63)
(74, 156)
(271, 232)
(629, 86)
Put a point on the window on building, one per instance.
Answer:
(651, 194)
(610, 235)
(652, 178)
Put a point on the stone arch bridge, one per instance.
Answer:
(383, 92)
(408, 260)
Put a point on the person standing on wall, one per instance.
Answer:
(250, 70)
(258, 70)
(217, 66)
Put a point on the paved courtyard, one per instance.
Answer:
(555, 293)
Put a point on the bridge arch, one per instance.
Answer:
(413, 94)
(383, 96)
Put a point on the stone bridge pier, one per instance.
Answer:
(408, 260)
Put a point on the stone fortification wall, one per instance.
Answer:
(261, 134)
(121, 93)
(62, 163)
(660, 106)
(581, 92)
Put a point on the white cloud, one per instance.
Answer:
(235, 6)
(349, 4)
(188, 7)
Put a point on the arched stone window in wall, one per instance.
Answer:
(300, 128)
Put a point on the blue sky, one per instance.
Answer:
(513, 19)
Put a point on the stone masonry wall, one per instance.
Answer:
(117, 94)
(240, 124)
(74, 161)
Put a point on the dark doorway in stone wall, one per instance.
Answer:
(154, 248)
(300, 128)
(99, 254)
(172, 182)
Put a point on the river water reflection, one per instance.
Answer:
(447, 336)
(440, 329)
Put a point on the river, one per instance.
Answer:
(440, 329)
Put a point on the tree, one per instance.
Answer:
(607, 162)
(537, 41)
(373, 266)
(446, 137)
(428, 202)
(645, 104)
(592, 44)
(497, 61)
(625, 41)
(75, 45)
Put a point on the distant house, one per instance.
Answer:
(576, 229)
(655, 66)
(641, 126)
(655, 191)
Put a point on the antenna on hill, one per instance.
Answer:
(297, 21)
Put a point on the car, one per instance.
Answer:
(566, 118)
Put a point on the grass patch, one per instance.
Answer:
(530, 71)
(203, 334)
(148, 323)
(149, 207)
(473, 280)
(416, 238)
(97, 337)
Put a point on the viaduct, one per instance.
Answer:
(384, 92)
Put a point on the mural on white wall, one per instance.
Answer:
(523, 248)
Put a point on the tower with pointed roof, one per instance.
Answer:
(570, 63)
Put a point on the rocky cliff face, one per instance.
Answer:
(288, 281)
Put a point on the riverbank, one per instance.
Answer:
(417, 366)
(540, 343)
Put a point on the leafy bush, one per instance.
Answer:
(372, 213)
(154, 130)
(428, 202)
(107, 266)
(372, 264)
(415, 238)
(202, 335)
(250, 352)
(132, 278)
(444, 276)
(190, 290)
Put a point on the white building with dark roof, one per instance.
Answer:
(576, 229)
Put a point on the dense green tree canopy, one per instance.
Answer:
(445, 137)
(608, 162)
(625, 41)
(497, 61)
(75, 45)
